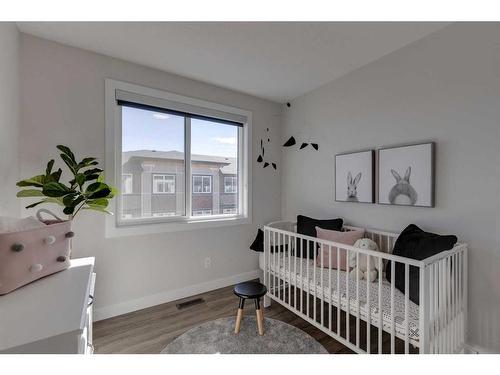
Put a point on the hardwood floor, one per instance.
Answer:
(151, 329)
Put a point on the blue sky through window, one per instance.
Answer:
(147, 130)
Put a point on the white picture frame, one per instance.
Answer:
(354, 177)
(406, 175)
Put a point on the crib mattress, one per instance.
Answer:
(331, 294)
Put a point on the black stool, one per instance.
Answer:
(250, 290)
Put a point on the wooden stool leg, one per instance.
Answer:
(260, 316)
(239, 316)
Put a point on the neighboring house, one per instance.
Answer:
(153, 184)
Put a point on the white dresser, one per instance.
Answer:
(51, 315)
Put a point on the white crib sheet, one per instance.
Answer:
(399, 299)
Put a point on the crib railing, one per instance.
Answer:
(315, 293)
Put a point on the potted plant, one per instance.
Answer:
(85, 191)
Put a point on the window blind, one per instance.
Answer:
(132, 100)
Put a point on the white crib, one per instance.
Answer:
(337, 304)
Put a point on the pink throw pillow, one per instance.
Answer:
(347, 238)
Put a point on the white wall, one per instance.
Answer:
(62, 101)
(446, 88)
(9, 118)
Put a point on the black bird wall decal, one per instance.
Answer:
(291, 141)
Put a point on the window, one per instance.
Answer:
(230, 185)
(163, 184)
(163, 214)
(127, 183)
(202, 212)
(202, 184)
(185, 155)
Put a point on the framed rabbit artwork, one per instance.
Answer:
(354, 177)
(406, 175)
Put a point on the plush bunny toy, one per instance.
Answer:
(364, 273)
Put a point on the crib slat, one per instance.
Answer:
(423, 318)
(368, 308)
(452, 319)
(436, 307)
(338, 290)
(276, 270)
(289, 272)
(442, 308)
(466, 291)
(314, 283)
(348, 301)
(294, 275)
(330, 289)
(280, 292)
(430, 322)
(407, 319)
(357, 298)
(393, 273)
(380, 311)
(301, 254)
(307, 275)
(322, 288)
(449, 302)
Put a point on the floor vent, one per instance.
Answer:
(189, 303)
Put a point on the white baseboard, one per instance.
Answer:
(171, 295)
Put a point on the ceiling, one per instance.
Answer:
(278, 61)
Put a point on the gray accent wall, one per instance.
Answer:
(443, 88)
(62, 101)
(9, 119)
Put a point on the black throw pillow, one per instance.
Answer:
(258, 244)
(414, 243)
(307, 226)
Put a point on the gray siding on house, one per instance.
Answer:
(142, 202)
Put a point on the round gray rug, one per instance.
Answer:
(218, 336)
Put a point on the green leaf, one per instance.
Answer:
(47, 200)
(103, 193)
(91, 177)
(96, 186)
(66, 151)
(69, 210)
(35, 204)
(97, 208)
(70, 163)
(50, 164)
(29, 193)
(93, 171)
(54, 177)
(69, 199)
(80, 179)
(37, 181)
(86, 162)
(55, 189)
(114, 192)
(103, 202)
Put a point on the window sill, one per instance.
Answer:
(161, 226)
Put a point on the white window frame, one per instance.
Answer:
(115, 227)
(155, 191)
(234, 187)
(202, 176)
(131, 183)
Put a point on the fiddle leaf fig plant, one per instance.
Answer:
(85, 191)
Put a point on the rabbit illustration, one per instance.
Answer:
(403, 192)
(352, 187)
